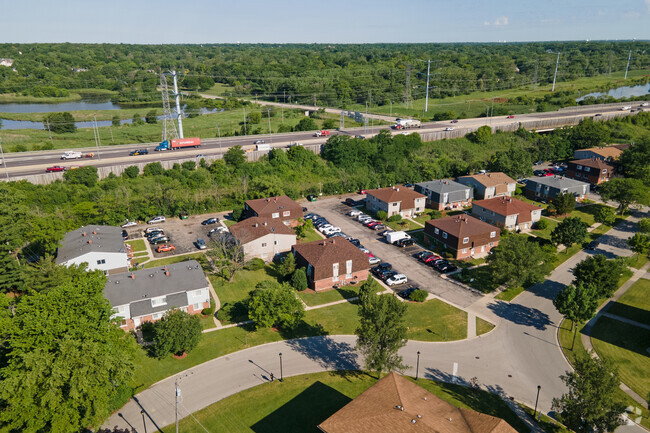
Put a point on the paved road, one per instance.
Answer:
(519, 354)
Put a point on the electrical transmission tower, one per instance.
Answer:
(407, 89)
(169, 126)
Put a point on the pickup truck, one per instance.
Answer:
(139, 152)
(71, 155)
(627, 107)
(322, 133)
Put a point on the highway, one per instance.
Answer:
(29, 163)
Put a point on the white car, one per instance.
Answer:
(373, 260)
(396, 280)
(157, 219)
(365, 250)
(449, 128)
(152, 229)
(362, 216)
(324, 227)
(331, 230)
(129, 224)
(354, 213)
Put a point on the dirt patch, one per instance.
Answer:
(180, 356)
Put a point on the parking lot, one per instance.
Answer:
(181, 233)
(401, 258)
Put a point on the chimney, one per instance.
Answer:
(83, 234)
(397, 189)
(90, 241)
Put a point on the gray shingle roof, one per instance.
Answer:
(97, 238)
(185, 276)
(559, 182)
(144, 308)
(442, 186)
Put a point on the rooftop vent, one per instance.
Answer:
(265, 223)
(90, 241)
(425, 398)
(167, 273)
(450, 420)
(413, 421)
(419, 416)
(83, 234)
(255, 225)
(398, 407)
(150, 275)
(117, 281)
(94, 232)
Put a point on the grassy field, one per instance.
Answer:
(137, 245)
(546, 233)
(509, 294)
(172, 259)
(435, 320)
(626, 346)
(483, 326)
(312, 298)
(639, 260)
(290, 406)
(312, 235)
(238, 290)
(634, 304)
(207, 322)
(405, 225)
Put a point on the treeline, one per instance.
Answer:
(331, 75)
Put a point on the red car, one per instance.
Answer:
(54, 169)
(432, 258)
(511, 117)
(371, 224)
(363, 191)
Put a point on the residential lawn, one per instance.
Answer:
(533, 202)
(300, 403)
(207, 322)
(312, 235)
(549, 425)
(546, 233)
(483, 326)
(142, 254)
(172, 259)
(427, 215)
(238, 290)
(229, 223)
(478, 278)
(435, 320)
(626, 346)
(509, 294)
(635, 303)
(639, 260)
(137, 245)
(565, 335)
(312, 298)
(404, 225)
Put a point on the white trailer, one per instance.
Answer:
(393, 237)
(407, 123)
(71, 155)
(265, 147)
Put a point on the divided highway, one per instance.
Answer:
(29, 163)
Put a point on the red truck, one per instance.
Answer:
(323, 133)
(178, 143)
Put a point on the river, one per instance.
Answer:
(620, 92)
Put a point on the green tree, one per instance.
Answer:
(226, 256)
(564, 203)
(419, 295)
(115, 121)
(235, 157)
(599, 272)
(634, 161)
(588, 133)
(329, 124)
(151, 117)
(82, 176)
(640, 244)
(254, 117)
(11, 272)
(299, 279)
(153, 169)
(644, 225)
(306, 124)
(592, 404)
(605, 215)
(275, 305)
(65, 359)
(60, 122)
(382, 215)
(287, 266)
(517, 262)
(570, 231)
(137, 119)
(189, 165)
(131, 172)
(481, 135)
(381, 332)
(304, 227)
(515, 162)
(175, 333)
(576, 303)
(626, 192)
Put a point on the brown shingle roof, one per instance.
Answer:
(324, 253)
(266, 206)
(462, 226)
(255, 227)
(491, 179)
(397, 193)
(507, 206)
(395, 404)
(594, 162)
(606, 152)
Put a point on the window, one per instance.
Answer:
(157, 316)
(275, 242)
(587, 169)
(286, 213)
(466, 240)
(348, 269)
(197, 307)
(101, 261)
(444, 235)
(156, 302)
(263, 244)
(493, 234)
(335, 271)
(491, 244)
(579, 167)
(464, 251)
(436, 231)
(123, 322)
(604, 170)
(275, 215)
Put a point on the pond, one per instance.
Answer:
(620, 92)
(63, 106)
(26, 124)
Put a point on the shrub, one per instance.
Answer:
(177, 332)
(224, 312)
(210, 310)
(396, 217)
(607, 215)
(448, 255)
(382, 215)
(541, 225)
(254, 264)
(299, 279)
(329, 124)
(131, 172)
(419, 295)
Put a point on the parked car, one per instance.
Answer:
(372, 259)
(139, 152)
(591, 246)
(161, 240)
(385, 232)
(378, 227)
(154, 233)
(448, 268)
(355, 242)
(406, 293)
(218, 230)
(258, 142)
(364, 249)
(360, 136)
(323, 227)
(332, 230)
(210, 221)
(511, 117)
(404, 243)
(129, 224)
(312, 216)
(386, 274)
(421, 255)
(435, 262)
(200, 244)
(354, 213)
(157, 219)
(54, 169)
(396, 280)
(363, 191)
(156, 236)
(432, 258)
(151, 229)
(371, 224)
(350, 202)
(125, 234)
(165, 248)
(381, 267)
(454, 121)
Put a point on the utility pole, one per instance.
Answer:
(407, 87)
(179, 114)
(628, 64)
(219, 131)
(4, 163)
(268, 114)
(284, 101)
(557, 62)
(169, 126)
(50, 131)
(245, 133)
(178, 394)
(342, 122)
(99, 140)
(426, 100)
(110, 128)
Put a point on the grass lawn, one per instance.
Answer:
(478, 278)
(238, 290)
(634, 304)
(289, 406)
(137, 245)
(173, 259)
(404, 225)
(427, 215)
(626, 347)
(435, 320)
(483, 326)
(207, 322)
(332, 295)
(312, 235)
(509, 294)
(638, 261)
(141, 254)
(228, 222)
(546, 233)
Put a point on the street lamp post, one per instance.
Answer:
(536, 400)
(417, 366)
(219, 131)
(4, 162)
(144, 423)
(281, 375)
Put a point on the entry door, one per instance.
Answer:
(136, 322)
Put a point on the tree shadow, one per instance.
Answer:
(628, 311)
(304, 412)
(521, 315)
(620, 334)
(547, 289)
(328, 353)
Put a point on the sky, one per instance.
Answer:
(329, 21)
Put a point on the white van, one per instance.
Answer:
(393, 237)
(263, 146)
